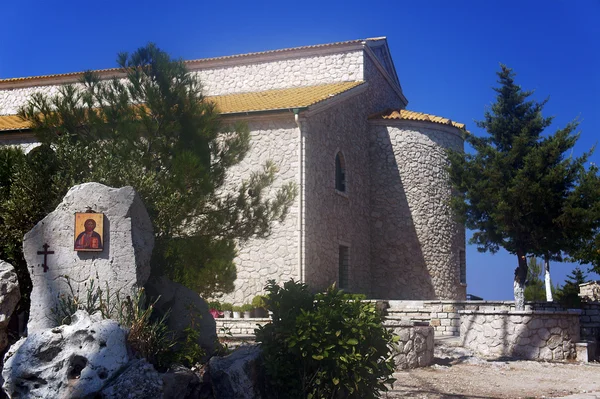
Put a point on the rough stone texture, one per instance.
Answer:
(237, 375)
(535, 335)
(123, 264)
(333, 218)
(415, 346)
(10, 294)
(293, 72)
(180, 383)
(444, 315)
(71, 361)
(187, 309)
(276, 257)
(139, 380)
(416, 242)
(590, 291)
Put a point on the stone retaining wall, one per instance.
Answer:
(535, 335)
(228, 325)
(445, 318)
(415, 347)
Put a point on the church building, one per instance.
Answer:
(373, 207)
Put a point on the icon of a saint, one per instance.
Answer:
(89, 239)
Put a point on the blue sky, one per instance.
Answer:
(446, 54)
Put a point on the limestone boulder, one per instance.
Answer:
(124, 262)
(238, 375)
(9, 297)
(138, 380)
(179, 382)
(70, 361)
(187, 309)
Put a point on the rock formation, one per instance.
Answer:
(70, 361)
(9, 297)
(124, 262)
(238, 375)
(187, 309)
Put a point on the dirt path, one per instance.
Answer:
(456, 374)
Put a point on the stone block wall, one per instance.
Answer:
(293, 72)
(416, 242)
(228, 325)
(444, 316)
(275, 257)
(534, 335)
(259, 76)
(415, 346)
(333, 218)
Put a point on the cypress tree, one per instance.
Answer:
(519, 190)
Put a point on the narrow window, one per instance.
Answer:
(340, 172)
(344, 262)
(463, 266)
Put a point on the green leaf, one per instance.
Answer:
(352, 341)
(336, 381)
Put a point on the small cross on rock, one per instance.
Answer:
(45, 252)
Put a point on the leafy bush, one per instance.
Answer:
(149, 337)
(259, 301)
(327, 345)
(227, 306)
(247, 307)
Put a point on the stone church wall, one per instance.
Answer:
(275, 257)
(333, 218)
(294, 72)
(416, 243)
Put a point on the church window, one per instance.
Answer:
(344, 265)
(463, 266)
(340, 172)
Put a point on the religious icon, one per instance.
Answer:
(89, 228)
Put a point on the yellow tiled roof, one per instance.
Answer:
(12, 122)
(280, 98)
(404, 114)
(270, 100)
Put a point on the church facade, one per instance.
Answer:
(372, 212)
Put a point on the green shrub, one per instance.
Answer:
(327, 345)
(247, 307)
(227, 306)
(148, 336)
(237, 309)
(215, 305)
(259, 301)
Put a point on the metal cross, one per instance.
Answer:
(45, 252)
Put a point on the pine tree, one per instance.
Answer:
(568, 294)
(519, 191)
(152, 128)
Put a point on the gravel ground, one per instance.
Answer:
(457, 374)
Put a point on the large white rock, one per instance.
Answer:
(123, 264)
(70, 361)
(9, 297)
